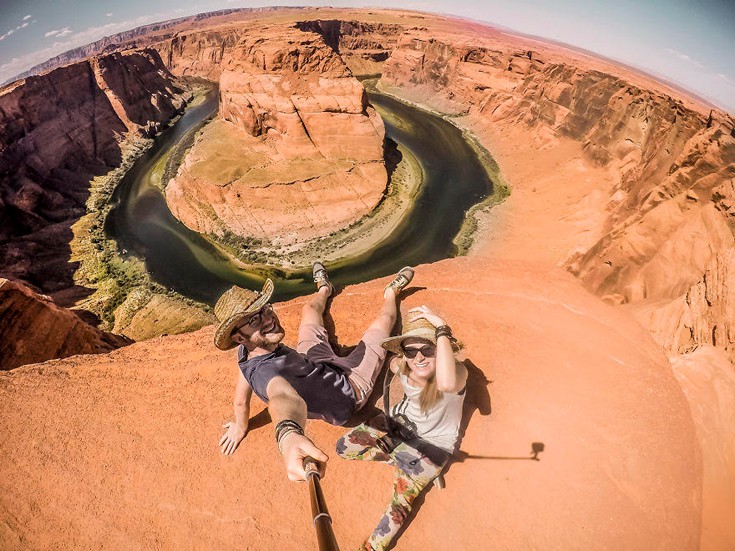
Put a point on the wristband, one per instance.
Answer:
(443, 331)
(285, 427)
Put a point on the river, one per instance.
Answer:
(180, 259)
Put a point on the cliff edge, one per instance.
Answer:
(620, 466)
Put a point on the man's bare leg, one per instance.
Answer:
(386, 318)
(313, 311)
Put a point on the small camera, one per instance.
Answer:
(388, 443)
(400, 429)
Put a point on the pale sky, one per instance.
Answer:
(688, 42)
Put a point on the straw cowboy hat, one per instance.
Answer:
(235, 304)
(417, 329)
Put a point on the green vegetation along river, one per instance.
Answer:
(177, 257)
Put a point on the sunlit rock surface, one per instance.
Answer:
(670, 204)
(619, 179)
(295, 153)
(620, 466)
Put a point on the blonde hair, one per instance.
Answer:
(430, 394)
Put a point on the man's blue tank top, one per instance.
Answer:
(324, 387)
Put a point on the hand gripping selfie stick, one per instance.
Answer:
(322, 521)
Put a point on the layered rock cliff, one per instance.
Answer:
(296, 152)
(137, 38)
(33, 329)
(363, 45)
(669, 211)
(58, 131)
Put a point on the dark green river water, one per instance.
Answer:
(181, 259)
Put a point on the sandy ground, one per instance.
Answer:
(119, 451)
(557, 202)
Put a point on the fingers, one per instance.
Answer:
(296, 449)
(319, 457)
(225, 435)
(227, 445)
(312, 451)
(424, 312)
(420, 311)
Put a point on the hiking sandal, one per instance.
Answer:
(402, 279)
(321, 278)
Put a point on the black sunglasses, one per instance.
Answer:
(427, 351)
(257, 318)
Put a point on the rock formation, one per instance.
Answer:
(58, 131)
(304, 150)
(620, 467)
(708, 381)
(620, 180)
(33, 329)
(670, 208)
(362, 45)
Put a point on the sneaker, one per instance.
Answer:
(402, 279)
(321, 278)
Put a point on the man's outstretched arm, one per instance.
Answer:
(241, 403)
(284, 404)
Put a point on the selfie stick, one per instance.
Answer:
(322, 521)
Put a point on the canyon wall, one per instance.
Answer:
(296, 151)
(33, 329)
(670, 216)
(137, 38)
(629, 460)
(363, 45)
(57, 132)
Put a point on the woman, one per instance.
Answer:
(429, 416)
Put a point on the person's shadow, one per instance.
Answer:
(477, 399)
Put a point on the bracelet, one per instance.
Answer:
(443, 331)
(285, 427)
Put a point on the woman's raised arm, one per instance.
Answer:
(451, 375)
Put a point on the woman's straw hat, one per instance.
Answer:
(418, 329)
(235, 304)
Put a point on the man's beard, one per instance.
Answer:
(266, 340)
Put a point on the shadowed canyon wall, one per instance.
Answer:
(34, 329)
(57, 132)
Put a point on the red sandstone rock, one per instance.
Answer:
(33, 329)
(620, 467)
(303, 156)
(707, 378)
(703, 315)
(669, 213)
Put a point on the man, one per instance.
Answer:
(311, 381)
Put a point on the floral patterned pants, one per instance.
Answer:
(413, 472)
